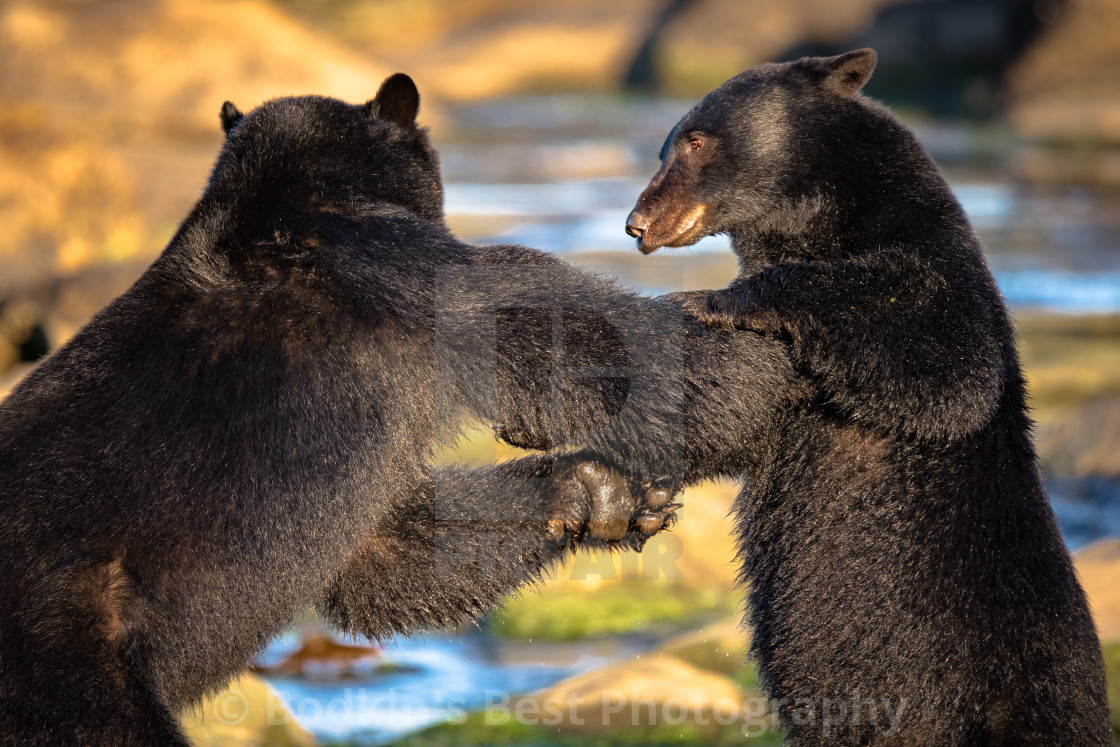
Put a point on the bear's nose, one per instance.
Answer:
(636, 225)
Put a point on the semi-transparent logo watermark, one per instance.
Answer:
(556, 362)
(560, 358)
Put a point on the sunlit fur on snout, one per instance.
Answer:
(667, 212)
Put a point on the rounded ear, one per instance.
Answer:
(397, 101)
(230, 115)
(844, 74)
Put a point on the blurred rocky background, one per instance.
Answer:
(108, 107)
(548, 115)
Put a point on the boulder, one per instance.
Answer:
(644, 692)
(1084, 441)
(166, 66)
(109, 122)
(1066, 87)
(1098, 567)
(720, 646)
(247, 714)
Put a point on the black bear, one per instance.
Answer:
(907, 576)
(246, 431)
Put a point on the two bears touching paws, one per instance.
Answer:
(247, 430)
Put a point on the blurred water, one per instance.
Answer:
(1087, 509)
(449, 676)
(561, 173)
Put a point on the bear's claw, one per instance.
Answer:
(520, 438)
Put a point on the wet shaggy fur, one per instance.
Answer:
(896, 535)
(247, 430)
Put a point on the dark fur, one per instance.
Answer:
(246, 430)
(896, 535)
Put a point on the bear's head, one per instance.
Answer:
(771, 151)
(313, 154)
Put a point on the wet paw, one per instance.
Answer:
(596, 502)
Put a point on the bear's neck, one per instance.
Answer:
(855, 211)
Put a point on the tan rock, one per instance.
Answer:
(720, 646)
(168, 65)
(627, 694)
(247, 714)
(10, 378)
(1067, 85)
(713, 40)
(320, 656)
(568, 50)
(489, 48)
(494, 47)
(1084, 441)
(109, 115)
(66, 201)
(698, 552)
(706, 535)
(1098, 567)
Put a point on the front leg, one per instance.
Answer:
(562, 358)
(453, 548)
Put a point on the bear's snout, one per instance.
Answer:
(636, 226)
(656, 224)
(669, 212)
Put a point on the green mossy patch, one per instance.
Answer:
(1112, 666)
(613, 609)
(1069, 359)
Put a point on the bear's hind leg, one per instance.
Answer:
(74, 668)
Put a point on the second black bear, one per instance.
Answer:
(896, 535)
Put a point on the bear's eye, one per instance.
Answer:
(695, 144)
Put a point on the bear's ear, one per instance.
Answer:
(845, 74)
(397, 101)
(230, 115)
